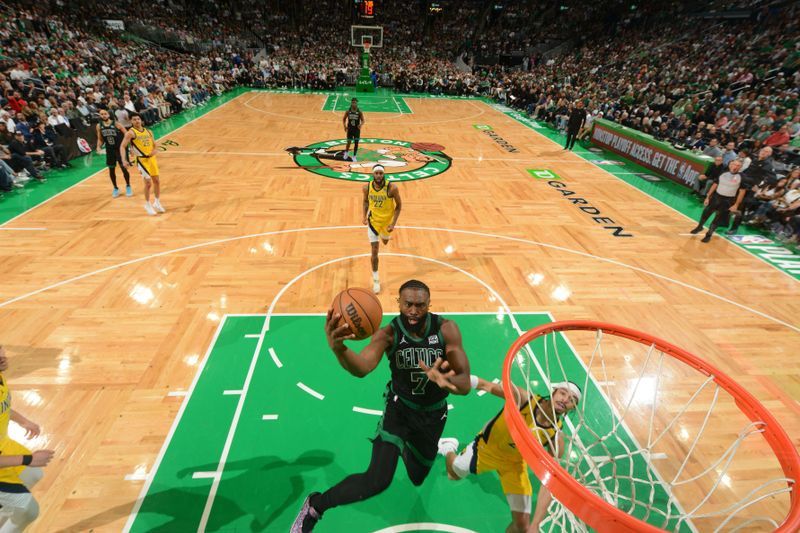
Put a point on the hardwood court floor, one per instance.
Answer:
(101, 356)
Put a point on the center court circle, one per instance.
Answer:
(401, 160)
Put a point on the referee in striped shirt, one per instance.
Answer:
(724, 197)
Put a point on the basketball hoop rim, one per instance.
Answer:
(588, 506)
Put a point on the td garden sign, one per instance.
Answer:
(401, 160)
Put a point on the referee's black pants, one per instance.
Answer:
(572, 134)
(721, 206)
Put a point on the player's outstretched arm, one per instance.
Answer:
(544, 498)
(37, 458)
(358, 364)
(497, 389)
(452, 374)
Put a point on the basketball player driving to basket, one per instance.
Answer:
(427, 363)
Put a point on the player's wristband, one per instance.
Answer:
(27, 459)
(473, 381)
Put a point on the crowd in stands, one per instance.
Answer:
(726, 87)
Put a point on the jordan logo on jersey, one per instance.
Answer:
(402, 340)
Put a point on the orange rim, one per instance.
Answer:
(590, 508)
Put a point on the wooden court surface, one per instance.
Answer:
(131, 301)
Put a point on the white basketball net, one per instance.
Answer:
(655, 438)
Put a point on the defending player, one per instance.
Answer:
(417, 344)
(382, 206)
(352, 121)
(494, 449)
(20, 469)
(111, 133)
(144, 149)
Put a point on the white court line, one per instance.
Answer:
(252, 336)
(231, 431)
(231, 392)
(376, 120)
(425, 526)
(367, 411)
(104, 168)
(177, 393)
(275, 358)
(311, 391)
(622, 422)
(744, 250)
(204, 475)
(422, 228)
(269, 417)
(160, 456)
(503, 307)
(527, 160)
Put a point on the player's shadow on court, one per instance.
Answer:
(26, 360)
(273, 486)
(262, 488)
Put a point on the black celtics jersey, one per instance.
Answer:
(110, 134)
(354, 119)
(409, 381)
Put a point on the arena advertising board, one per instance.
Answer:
(659, 157)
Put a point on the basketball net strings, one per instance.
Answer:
(606, 463)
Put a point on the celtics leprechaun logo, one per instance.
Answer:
(401, 160)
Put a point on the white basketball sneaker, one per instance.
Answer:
(149, 208)
(158, 206)
(376, 287)
(447, 445)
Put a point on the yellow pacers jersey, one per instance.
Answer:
(498, 438)
(381, 207)
(142, 142)
(143, 150)
(8, 446)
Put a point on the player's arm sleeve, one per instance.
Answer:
(456, 357)
(99, 137)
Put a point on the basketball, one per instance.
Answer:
(360, 309)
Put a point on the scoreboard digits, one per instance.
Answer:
(366, 8)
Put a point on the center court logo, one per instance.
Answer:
(401, 160)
